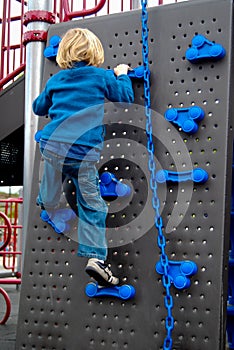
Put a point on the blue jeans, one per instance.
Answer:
(92, 209)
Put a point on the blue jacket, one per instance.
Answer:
(74, 100)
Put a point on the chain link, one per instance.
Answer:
(161, 241)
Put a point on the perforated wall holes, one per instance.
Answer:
(197, 235)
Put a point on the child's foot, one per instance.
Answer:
(101, 272)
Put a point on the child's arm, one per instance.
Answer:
(119, 86)
(42, 104)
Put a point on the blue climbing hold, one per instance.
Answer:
(231, 281)
(197, 175)
(58, 219)
(110, 186)
(51, 51)
(230, 326)
(185, 118)
(202, 48)
(179, 272)
(124, 292)
(135, 73)
(37, 136)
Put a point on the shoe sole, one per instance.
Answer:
(100, 280)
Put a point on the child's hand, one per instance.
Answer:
(121, 69)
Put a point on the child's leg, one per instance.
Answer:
(50, 187)
(50, 193)
(92, 212)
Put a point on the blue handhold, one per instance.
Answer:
(185, 118)
(202, 48)
(58, 219)
(230, 326)
(124, 292)
(135, 73)
(51, 51)
(110, 186)
(231, 281)
(179, 272)
(37, 136)
(197, 175)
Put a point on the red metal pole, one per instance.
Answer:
(69, 15)
(3, 38)
(8, 36)
(11, 76)
(22, 47)
(9, 231)
(8, 306)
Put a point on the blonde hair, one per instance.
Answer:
(77, 45)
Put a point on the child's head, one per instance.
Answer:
(77, 45)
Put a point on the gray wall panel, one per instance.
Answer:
(54, 310)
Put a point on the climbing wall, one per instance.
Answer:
(55, 312)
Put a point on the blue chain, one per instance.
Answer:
(166, 280)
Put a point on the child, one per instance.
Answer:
(71, 142)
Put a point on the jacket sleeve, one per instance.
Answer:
(119, 89)
(42, 103)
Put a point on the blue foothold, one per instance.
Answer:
(126, 291)
(196, 113)
(191, 54)
(171, 114)
(186, 118)
(58, 219)
(216, 50)
(202, 48)
(110, 186)
(198, 40)
(51, 51)
(161, 176)
(91, 289)
(122, 190)
(55, 40)
(178, 272)
(199, 175)
(189, 126)
(188, 268)
(106, 178)
(181, 282)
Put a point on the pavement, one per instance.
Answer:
(8, 331)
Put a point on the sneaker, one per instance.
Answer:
(101, 273)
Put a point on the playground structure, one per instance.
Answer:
(10, 249)
(53, 283)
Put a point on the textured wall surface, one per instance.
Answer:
(55, 313)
